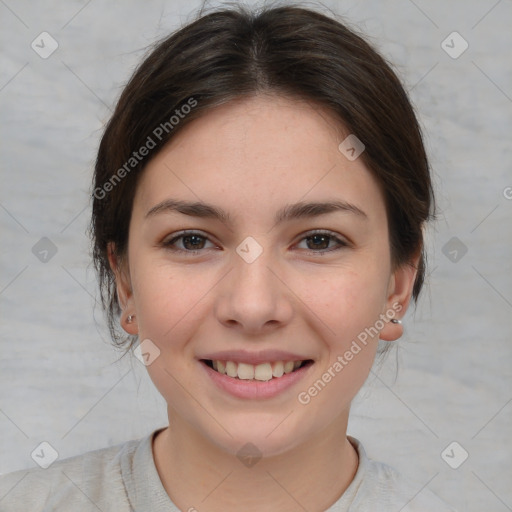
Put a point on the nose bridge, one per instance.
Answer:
(251, 273)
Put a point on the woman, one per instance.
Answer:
(259, 200)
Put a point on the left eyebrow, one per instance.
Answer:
(285, 214)
(302, 210)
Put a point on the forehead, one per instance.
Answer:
(257, 153)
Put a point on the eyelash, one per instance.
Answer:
(341, 243)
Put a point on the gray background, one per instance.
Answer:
(61, 381)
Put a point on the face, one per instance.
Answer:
(258, 280)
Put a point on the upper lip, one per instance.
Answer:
(243, 356)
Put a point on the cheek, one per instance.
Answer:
(348, 299)
(349, 305)
(168, 302)
(163, 296)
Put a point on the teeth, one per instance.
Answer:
(288, 367)
(245, 371)
(231, 369)
(278, 369)
(262, 372)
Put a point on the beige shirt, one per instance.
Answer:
(123, 478)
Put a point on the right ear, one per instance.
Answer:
(123, 288)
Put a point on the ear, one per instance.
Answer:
(400, 289)
(124, 289)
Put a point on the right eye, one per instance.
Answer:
(192, 242)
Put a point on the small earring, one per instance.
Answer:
(396, 321)
(130, 318)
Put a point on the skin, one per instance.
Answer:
(251, 157)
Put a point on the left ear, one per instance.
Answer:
(400, 289)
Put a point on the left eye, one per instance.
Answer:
(193, 243)
(321, 241)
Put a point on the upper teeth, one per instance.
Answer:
(263, 371)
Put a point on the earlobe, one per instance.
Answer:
(399, 296)
(123, 290)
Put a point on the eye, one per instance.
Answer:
(319, 241)
(192, 242)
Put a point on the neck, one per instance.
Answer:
(199, 475)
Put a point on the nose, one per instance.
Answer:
(254, 298)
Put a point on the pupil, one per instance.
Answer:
(321, 237)
(190, 237)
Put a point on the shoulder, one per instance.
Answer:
(379, 486)
(90, 481)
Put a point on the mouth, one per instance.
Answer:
(272, 370)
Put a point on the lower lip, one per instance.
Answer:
(255, 389)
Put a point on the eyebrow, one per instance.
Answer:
(285, 214)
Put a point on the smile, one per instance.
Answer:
(262, 372)
(264, 380)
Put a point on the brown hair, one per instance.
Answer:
(232, 52)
